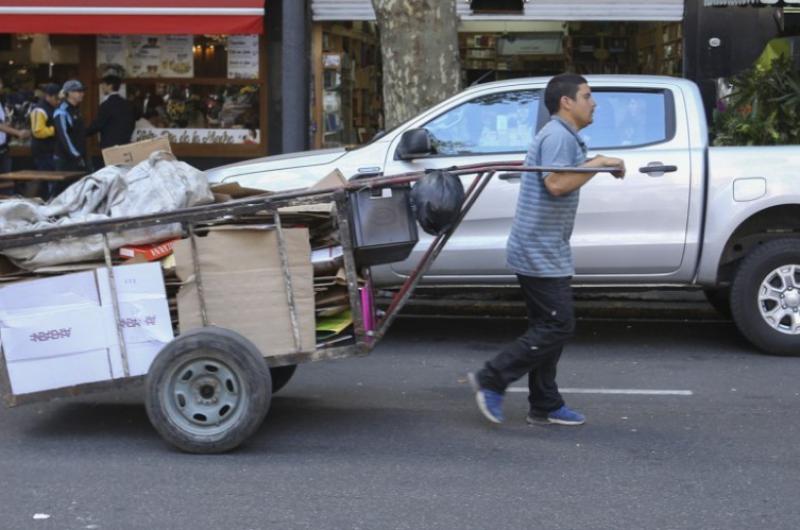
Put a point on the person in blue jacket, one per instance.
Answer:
(70, 148)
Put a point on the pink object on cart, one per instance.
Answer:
(367, 306)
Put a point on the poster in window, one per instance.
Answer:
(112, 54)
(177, 59)
(243, 57)
(144, 55)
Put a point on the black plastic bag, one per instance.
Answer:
(437, 198)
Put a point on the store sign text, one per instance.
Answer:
(200, 136)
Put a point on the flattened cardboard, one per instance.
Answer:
(232, 190)
(244, 287)
(333, 180)
(132, 154)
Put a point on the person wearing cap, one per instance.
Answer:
(7, 130)
(116, 116)
(70, 148)
(43, 131)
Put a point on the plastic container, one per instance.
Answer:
(384, 226)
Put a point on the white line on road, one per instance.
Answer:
(628, 391)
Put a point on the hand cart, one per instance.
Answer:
(210, 388)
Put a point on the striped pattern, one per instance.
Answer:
(133, 7)
(228, 17)
(539, 241)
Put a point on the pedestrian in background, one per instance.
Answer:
(6, 131)
(116, 116)
(70, 148)
(539, 253)
(43, 131)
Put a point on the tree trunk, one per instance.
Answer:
(419, 44)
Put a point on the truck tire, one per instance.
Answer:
(208, 391)
(720, 299)
(765, 297)
(281, 376)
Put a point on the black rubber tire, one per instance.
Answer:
(240, 356)
(744, 296)
(281, 376)
(720, 300)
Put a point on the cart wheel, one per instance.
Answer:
(208, 390)
(281, 376)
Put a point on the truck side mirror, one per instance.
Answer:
(414, 143)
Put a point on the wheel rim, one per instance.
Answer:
(204, 396)
(779, 299)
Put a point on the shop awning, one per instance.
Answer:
(141, 17)
(573, 10)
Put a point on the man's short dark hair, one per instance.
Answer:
(560, 86)
(112, 80)
(51, 89)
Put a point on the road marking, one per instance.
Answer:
(627, 391)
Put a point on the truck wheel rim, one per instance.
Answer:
(779, 299)
(204, 396)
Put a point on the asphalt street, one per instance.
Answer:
(394, 440)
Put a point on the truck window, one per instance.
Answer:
(495, 123)
(630, 118)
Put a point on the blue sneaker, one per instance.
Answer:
(490, 402)
(562, 416)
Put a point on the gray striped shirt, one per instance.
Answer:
(539, 241)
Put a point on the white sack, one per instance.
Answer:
(158, 184)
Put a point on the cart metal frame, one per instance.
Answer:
(229, 211)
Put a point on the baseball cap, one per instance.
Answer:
(51, 89)
(73, 85)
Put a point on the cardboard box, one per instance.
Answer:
(244, 286)
(61, 331)
(132, 154)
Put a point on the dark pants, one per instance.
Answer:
(73, 164)
(5, 160)
(44, 162)
(551, 322)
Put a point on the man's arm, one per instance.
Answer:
(39, 126)
(559, 184)
(14, 132)
(99, 123)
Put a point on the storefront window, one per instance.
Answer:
(26, 63)
(192, 89)
(197, 113)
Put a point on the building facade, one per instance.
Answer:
(196, 70)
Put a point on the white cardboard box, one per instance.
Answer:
(59, 332)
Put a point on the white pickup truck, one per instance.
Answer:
(726, 219)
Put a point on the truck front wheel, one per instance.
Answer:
(765, 297)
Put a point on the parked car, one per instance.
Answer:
(726, 219)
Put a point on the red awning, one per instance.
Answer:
(137, 17)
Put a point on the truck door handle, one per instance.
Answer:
(510, 176)
(657, 169)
